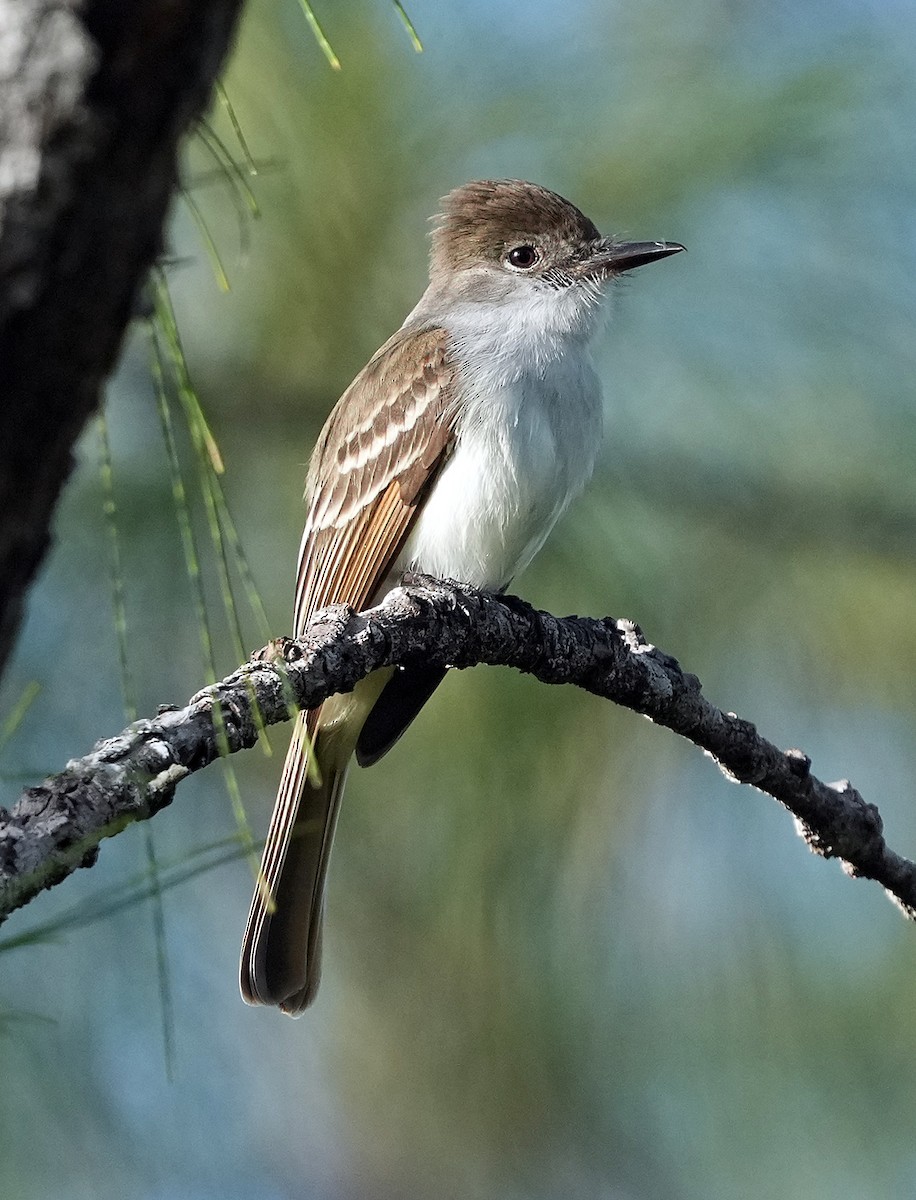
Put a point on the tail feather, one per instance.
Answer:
(404, 695)
(281, 951)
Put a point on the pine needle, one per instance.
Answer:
(409, 26)
(116, 574)
(320, 36)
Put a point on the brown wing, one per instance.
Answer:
(380, 448)
(379, 451)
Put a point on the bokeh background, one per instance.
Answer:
(564, 957)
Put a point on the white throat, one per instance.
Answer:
(526, 329)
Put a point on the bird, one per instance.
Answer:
(453, 454)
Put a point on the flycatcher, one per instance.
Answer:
(453, 453)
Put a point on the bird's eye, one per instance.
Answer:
(522, 257)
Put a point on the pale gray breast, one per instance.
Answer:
(524, 450)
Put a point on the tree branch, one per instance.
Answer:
(95, 96)
(56, 827)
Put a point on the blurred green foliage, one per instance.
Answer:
(564, 957)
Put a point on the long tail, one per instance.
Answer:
(281, 950)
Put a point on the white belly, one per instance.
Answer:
(523, 452)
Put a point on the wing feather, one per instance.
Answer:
(365, 485)
(379, 451)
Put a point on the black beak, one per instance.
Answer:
(612, 257)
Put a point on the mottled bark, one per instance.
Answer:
(95, 96)
(56, 827)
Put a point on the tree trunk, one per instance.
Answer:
(94, 100)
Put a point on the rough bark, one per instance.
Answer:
(95, 96)
(56, 827)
